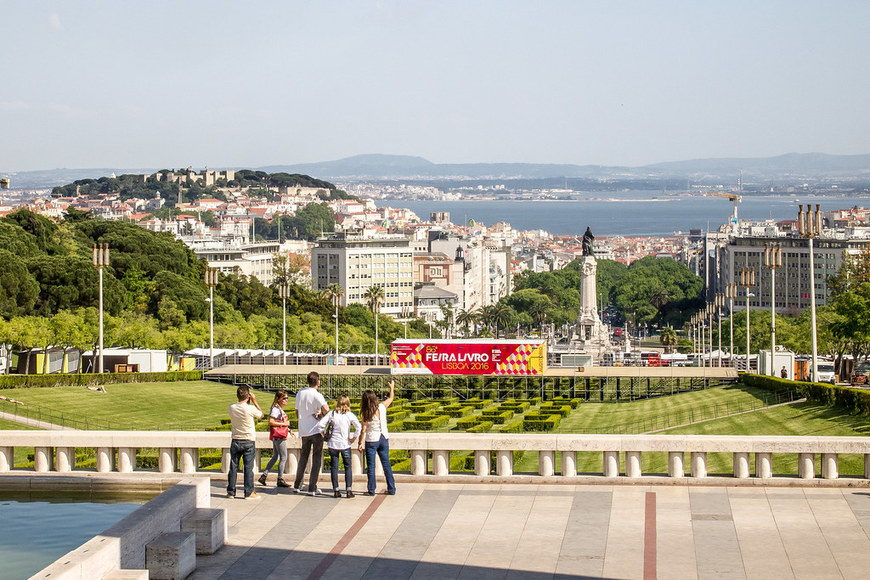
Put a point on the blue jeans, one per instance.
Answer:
(243, 450)
(380, 447)
(334, 454)
(279, 454)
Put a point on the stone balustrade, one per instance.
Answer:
(178, 451)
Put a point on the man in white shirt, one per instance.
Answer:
(243, 416)
(310, 407)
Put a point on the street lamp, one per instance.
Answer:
(211, 280)
(710, 312)
(810, 226)
(336, 299)
(101, 260)
(720, 302)
(284, 293)
(406, 313)
(772, 261)
(747, 280)
(731, 294)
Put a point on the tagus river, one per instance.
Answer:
(635, 213)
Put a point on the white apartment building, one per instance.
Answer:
(249, 259)
(356, 263)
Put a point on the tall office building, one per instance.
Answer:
(356, 263)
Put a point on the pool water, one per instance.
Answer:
(33, 534)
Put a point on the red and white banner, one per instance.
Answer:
(484, 357)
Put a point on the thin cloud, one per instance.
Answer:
(14, 106)
(54, 21)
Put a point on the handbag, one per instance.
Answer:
(279, 432)
(329, 428)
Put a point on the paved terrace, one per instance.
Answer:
(531, 531)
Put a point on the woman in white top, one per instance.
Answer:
(375, 437)
(339, 444)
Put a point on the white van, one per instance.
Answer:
(826, 372)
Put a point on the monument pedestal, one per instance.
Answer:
(589, 332)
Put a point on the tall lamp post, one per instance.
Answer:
(406, 314)
(772, 261)
(747, 280)
(101, 260)
(810, 226)
(336, 299)
(284, 293)
(711, 310)
(720, 303)
(731, 294)
(211, 280)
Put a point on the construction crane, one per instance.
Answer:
(733, 197)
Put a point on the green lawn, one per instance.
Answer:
(797, 419)
(12, 425)
(161, 406)
(660, 412)
(202, 404)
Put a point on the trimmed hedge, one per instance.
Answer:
(853, 400)
(497, 416)
(422, 406)
(425, 422)
(541, 423)
(90, 379)
(482, 427)
(512, 427)
(396, 414)
(477, 403)
(566, 401)
(457, 411)
(551, 409)
(468, 422)
(520, 406)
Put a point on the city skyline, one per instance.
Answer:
(210, 84)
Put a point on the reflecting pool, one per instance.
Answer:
(33, 534)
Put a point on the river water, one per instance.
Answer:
(635, 213)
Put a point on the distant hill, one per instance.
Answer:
(380, 166)
(810, 164)
(817, 165)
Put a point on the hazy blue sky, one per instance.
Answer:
(243, 84)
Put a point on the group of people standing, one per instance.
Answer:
(314, 418)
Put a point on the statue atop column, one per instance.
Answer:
(589, 331)
(588, 239)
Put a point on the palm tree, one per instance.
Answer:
(333, 293)
(374, 296)
(500, 316)
(448, 316)
(466, 318)
(659, 298)
(668, 338)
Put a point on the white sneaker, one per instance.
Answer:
(315, 492)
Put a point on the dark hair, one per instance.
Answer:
(368, 407)
(313, 378)
(243, 392)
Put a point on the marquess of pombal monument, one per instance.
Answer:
(589, 332)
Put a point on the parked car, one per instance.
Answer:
(860, 374)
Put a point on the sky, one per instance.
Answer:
(219, 84)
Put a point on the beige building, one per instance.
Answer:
(356, 263)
